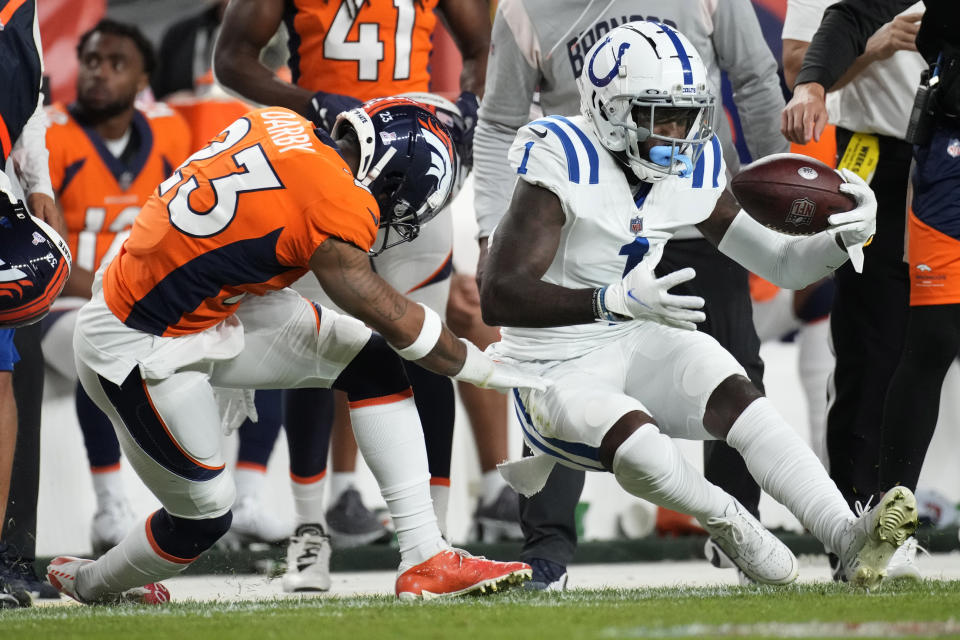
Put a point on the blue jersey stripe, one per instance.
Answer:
(715, 143)
(573, 448)
(573, 163)
(183, 289)
(681, 53)
(698, 171)
(592, 155)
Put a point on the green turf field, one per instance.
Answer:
(910, 609)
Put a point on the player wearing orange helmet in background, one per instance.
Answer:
(106, 158)
(194, 313)
(343, 51)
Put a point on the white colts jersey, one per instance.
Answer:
(609, 228)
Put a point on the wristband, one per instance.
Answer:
(427, 339)
(600, 311)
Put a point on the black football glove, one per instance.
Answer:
(324, 108)
(468, 104)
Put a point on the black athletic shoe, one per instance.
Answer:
(547, 575)
(19, 575)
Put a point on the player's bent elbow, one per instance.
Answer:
(493, 301)
(225, 66)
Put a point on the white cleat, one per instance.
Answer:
(111, 523)
(871, 540)
(903, 562)
(308, 560)
(759, 554)
(253, 523)
(62, 572)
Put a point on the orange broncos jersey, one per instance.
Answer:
(101, 194)
(241, 216)
(380, 49)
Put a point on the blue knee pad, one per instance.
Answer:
(375, 372)
(185, 538)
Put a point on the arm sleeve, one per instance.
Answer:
(30, 154)
(512, 77)
(790, 262)
(842, 36)
(744, 55)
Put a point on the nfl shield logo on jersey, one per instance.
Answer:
(636, 225)
(801, 212)
(953, 149)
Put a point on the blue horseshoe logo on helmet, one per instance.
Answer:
(607, 79)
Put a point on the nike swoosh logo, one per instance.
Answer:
(640, 302)
(376, 219)
(541, 134)
(234, 299)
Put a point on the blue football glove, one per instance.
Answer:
(468, 104)
(325, 107)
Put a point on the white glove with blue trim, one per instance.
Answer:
(641, 295)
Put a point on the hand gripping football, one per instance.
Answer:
(791, 193)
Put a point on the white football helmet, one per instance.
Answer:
(643, 73)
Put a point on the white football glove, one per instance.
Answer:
(482, 371)
(642, 295)
(857, 226)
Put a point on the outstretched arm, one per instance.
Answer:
(792, 262)
(413, 330)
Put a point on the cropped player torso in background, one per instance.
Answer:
(101, 194)
(241, 216)
(610, 225)
(361, 49)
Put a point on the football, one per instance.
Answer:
(791, 193)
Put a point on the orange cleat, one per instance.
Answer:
(62, 573)
(675, 524)
(455, 572)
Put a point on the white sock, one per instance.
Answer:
(340, 481)
(249, 482)
(650, 466)
(815, 363)
(308, 502)
(440, 495)
(132, 563)
(785, 467)
(108, 487)
(493, 484)
(390, 439)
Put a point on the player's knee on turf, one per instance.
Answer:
(621, 430)
(375, 371)
(727, 402)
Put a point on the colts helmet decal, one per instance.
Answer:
(407, 161)
(34, 266)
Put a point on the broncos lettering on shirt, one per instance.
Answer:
(361, 48)
(101, 194)
(241, 216)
